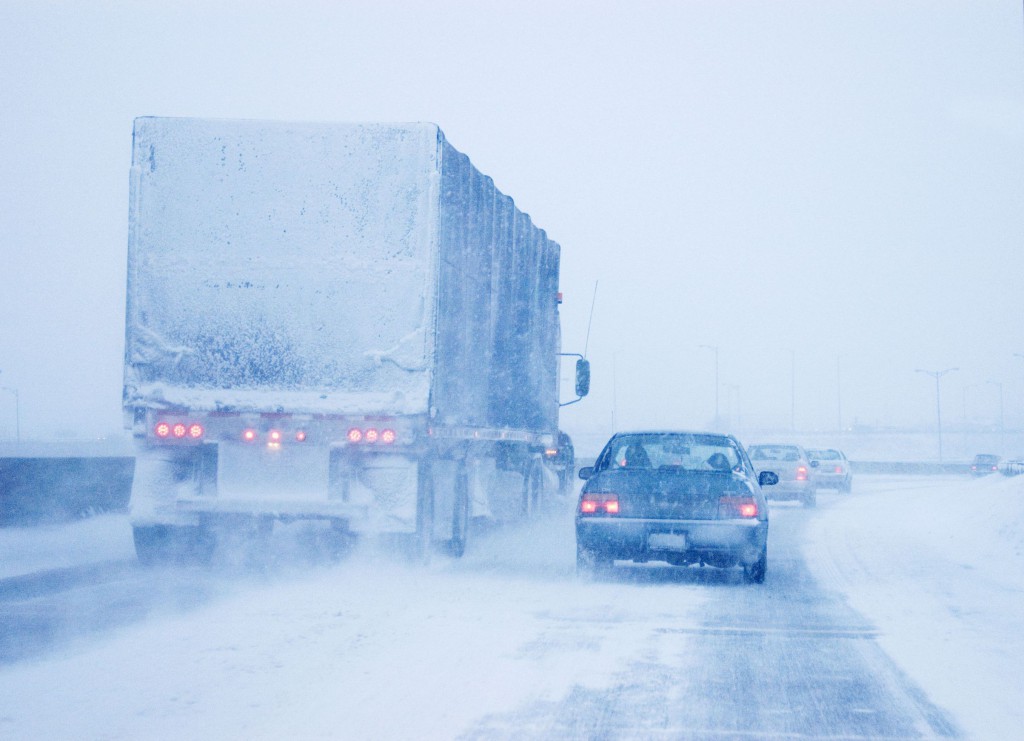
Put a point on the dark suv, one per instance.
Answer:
(984, 463)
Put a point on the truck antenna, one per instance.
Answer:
(591, 320)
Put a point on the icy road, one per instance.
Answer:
(892, 613)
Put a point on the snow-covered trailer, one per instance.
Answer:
(345, 322)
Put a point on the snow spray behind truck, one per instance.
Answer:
(343, 322)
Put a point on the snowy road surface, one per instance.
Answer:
(894, 612)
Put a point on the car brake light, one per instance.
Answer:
(801, 473)
(839, 469)
(593, 504)
(732, 507)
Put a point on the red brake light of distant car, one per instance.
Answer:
(593, 504)
(801, 473)
(839, 469)
(249, 435)
(733, 507)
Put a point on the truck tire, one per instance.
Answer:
(162, 545)
(533, 490)
(424, 539)
(460, 513)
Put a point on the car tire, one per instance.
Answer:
(811, 498)
(754, 573)
(590, 564)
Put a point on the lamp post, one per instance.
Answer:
(792, 391)
(1002, 425)
(17, 412)
(938, 406)
(715, 348)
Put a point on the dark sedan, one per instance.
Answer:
(679, 497)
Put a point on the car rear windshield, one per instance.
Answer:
(774, 453)
(690, 452)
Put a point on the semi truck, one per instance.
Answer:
(346, 323)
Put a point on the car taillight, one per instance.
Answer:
(733, 507)
(839, 469)
(594, 504)
(801, 473)
(249, 435)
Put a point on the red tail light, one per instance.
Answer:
(732, 507)
(178, 430)
(372, 435)
(839, 469)
(249, 435)
(801, 473)
(594, 504)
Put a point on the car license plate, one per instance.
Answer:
(666, 542)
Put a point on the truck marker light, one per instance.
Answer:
(355, 435)
(162, 429)
(387, 436)
(195, 431)
(249, 435)
(551, 452)
(275, 436)
(300, 436)
(372, 435)
(178, 430)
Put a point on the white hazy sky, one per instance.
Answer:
(831, 193)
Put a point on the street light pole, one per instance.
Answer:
(1002, 425)
(792, 391)
(938, 406)
(715, 348)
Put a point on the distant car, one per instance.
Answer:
(831, 469)
(678, 497)
(791, 464)
(984, 464)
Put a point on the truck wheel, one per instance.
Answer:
(533, 489)
(460, 514)
(423, 540)
(158, 545)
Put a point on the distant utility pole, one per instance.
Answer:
(792, 391)
(937, 374)
(715, 348)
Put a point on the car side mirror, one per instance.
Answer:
(768, 478)
(586, 472)
(582, 377)
(814, 464)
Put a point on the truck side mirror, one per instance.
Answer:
(582, 377)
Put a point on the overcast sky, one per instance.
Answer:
(830, 193)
